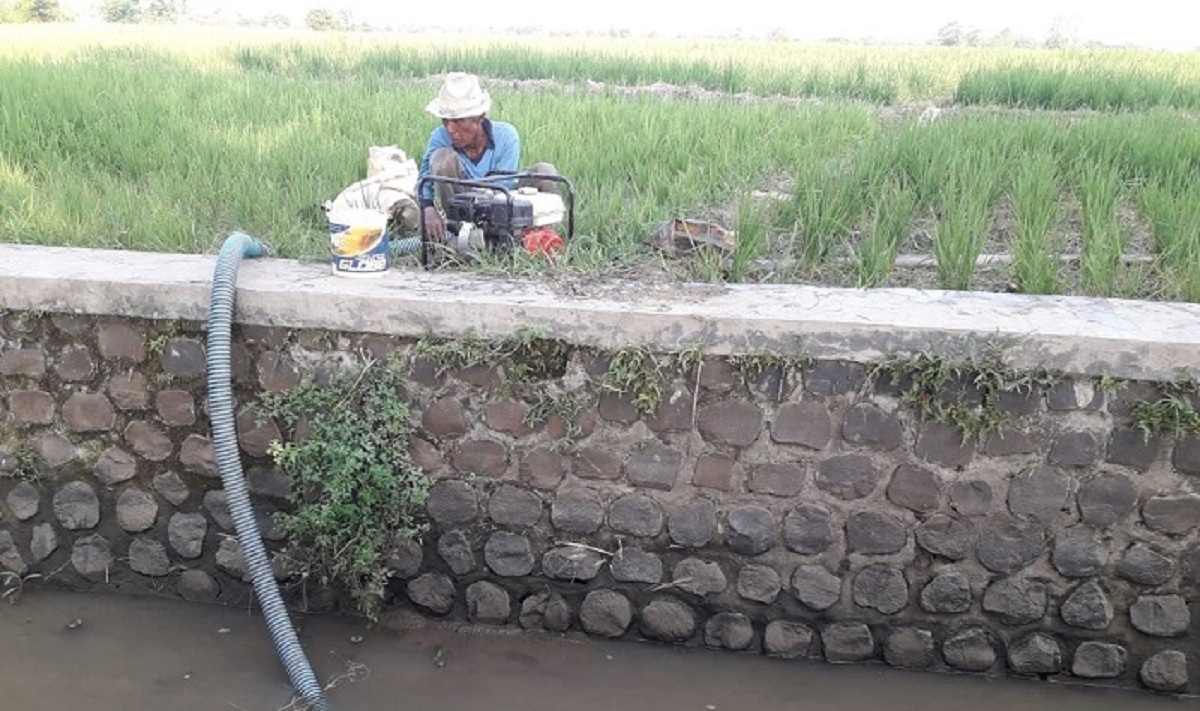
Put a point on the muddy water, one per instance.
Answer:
(62, 651)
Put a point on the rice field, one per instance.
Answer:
(1045, 171)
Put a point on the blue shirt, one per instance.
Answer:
(502, 154)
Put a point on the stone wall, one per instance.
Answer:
(801, 512)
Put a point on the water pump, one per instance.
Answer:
(487, 216)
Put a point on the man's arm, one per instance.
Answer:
(438, 138)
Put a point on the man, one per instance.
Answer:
(468, 146)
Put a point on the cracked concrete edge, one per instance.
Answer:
(1074, 335)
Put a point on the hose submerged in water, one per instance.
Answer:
(224, 435)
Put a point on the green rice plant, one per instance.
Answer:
(962, 229)
(1037, 246)
(1173, 211)
(1103, 242)
(892, 218)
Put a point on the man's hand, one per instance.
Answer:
(435, 227)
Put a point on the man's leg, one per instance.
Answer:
(445, 163)
(545, 186)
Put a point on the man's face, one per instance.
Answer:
(465, 132)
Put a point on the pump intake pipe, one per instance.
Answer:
(224, 435)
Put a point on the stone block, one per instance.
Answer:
(577, 511)
(635, 515)
(76, 506)
(149, 558)
(511, 506)
(543, 468)
(654, 466)
(509, 555)
(1016, 601)
(1006, 546)
(881, 588)
(868, 426)
(455, 549)
(183, 357)
(136, 510)
(24, 500)
(1079, 553)
(546, 610)
(198, 456)
(731, 422)
(1087, 607)
(571, 563)
(1133, 448)
(1075, 449)
(606, 613)
(848, 642)
(760, 583)
(129, 391)
(185, 533)
(714, 471)
(177, 408)
(1106, 499)
(92, 557)
(171, 487)
(480, 457)
(805, 423)
(75, 364)
(1165, 671)
(1039, 494)
(777, 479)
(120, 340)
(1145, 566)
(971, 498)
(693, 524)
(149, 442)
(816, 587)
(54, 450)
(634, 565)
(947, 537)
(947, 593)
(507, 417)
(432, 592)
(23, 362)
(88, 412)
(1099, 660)
(277, 373)
(444, 418)
(729, 630)
(971, 649)
(596, 463)
(31, 407)
(788, 640)
(668, 621)
(834, 377)
(1036, 653)
(848, 476)
(875, 533)
(916, 488)
(699, 577)
(1161, 615)
(945, 445)
(451, 503)
(808, 529)
(1174, 515)
(488, 603)
(751, 530)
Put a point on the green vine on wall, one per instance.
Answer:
(355, 488)
(643, 375)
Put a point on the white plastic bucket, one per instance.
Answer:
(358, 242)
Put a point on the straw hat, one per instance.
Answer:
(460, 97)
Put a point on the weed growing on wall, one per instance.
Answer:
(939, 387)
(527, 356)
(1173, 415)
(642, 374)
(355, 487)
